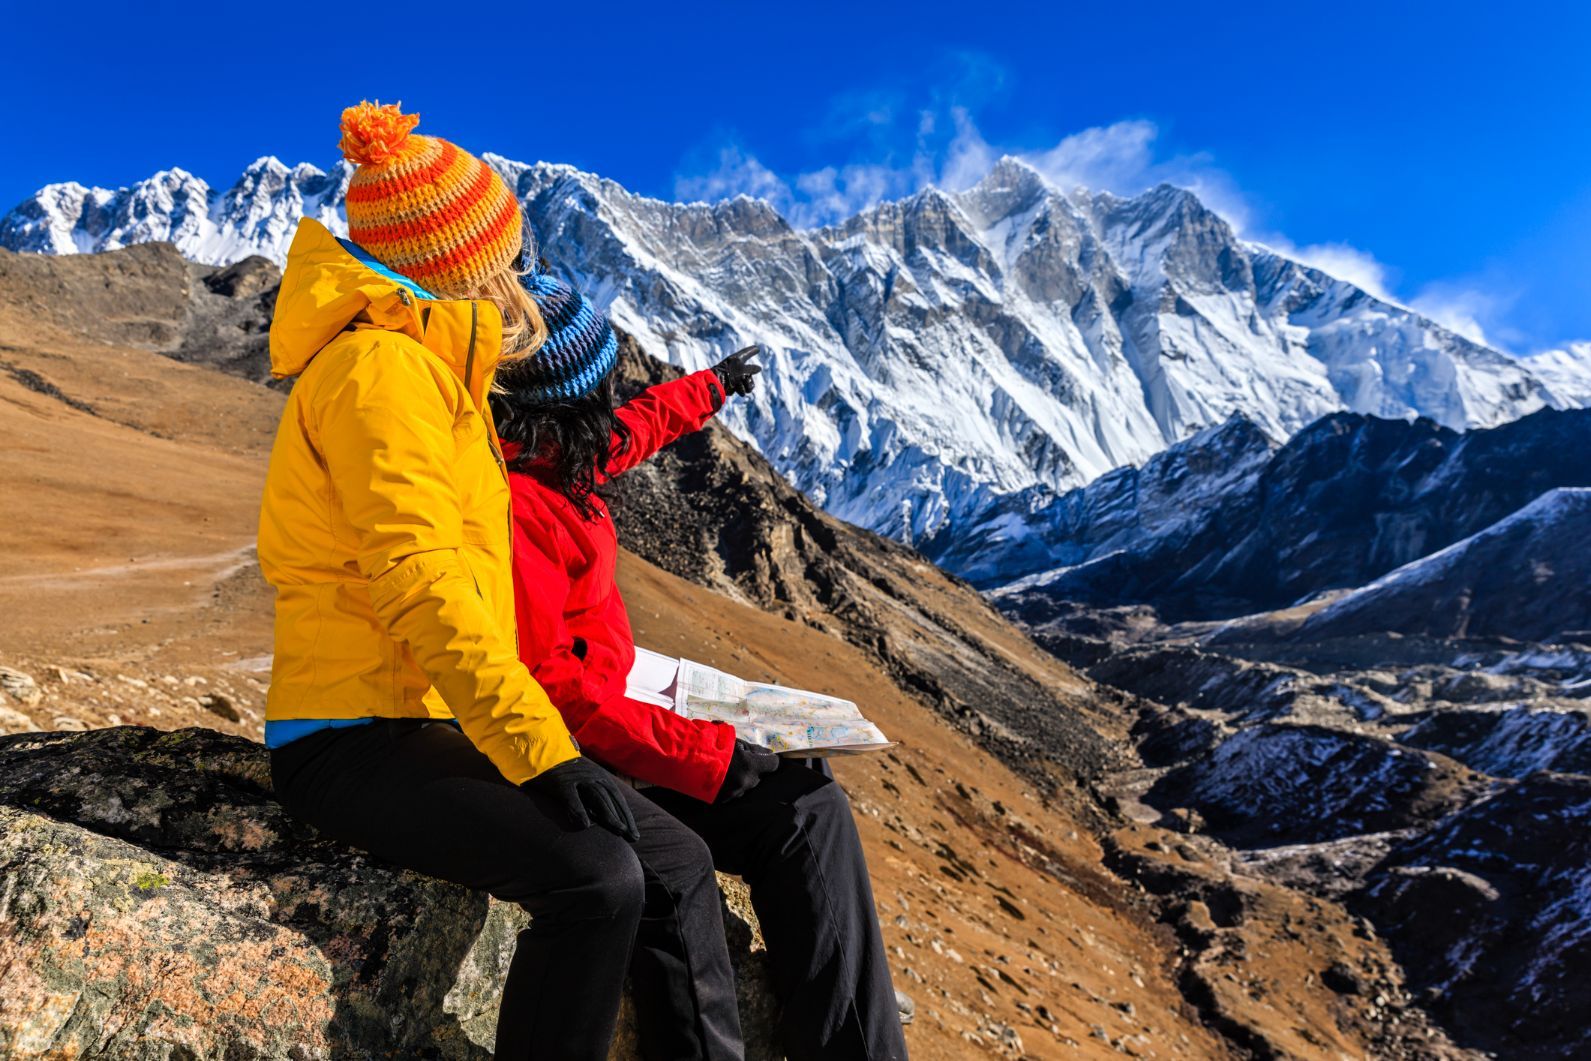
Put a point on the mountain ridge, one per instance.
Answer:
(1228, 523)
(941, 367)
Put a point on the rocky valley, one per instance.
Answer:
(1234, 625)
(1361, 663)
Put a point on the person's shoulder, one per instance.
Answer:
(374, 355)
(540, 512)
(373, 345)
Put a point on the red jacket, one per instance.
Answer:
(574, 632)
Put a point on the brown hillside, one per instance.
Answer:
(1023, 924)
(712, 510)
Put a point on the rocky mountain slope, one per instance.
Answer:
(1226, 523)
(1435, 787)
(148, 296)
(1491, 911)
(1527, 576)
(132, 482)
(1026, 914)
(1399, 748)
(942, 367)
(1359, 662)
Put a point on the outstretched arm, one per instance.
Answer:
(661, 414)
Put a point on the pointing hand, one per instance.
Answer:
(738, 371)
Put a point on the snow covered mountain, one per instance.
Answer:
(1526, 576)
(1566, 372)
(257, 215)
(945, 367)
(1226, 524)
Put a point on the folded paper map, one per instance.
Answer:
(789, 721)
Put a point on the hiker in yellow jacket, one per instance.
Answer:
(400, 717)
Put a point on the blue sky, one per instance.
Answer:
(1436, 152)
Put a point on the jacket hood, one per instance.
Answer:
(326, 291)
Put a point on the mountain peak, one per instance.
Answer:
(268, 164)
(1168, 193)
(939, 367)
(175, 176)
(1011, 171)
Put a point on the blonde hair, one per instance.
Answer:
(524, 330)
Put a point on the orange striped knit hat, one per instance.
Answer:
(424, 207)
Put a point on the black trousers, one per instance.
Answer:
(418, 794)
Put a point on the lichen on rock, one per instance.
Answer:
(156, 902)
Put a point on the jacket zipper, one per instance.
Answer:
(491, 441)
(469, 355)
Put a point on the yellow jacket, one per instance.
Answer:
(385, 522)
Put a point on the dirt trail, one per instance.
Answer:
(214, 567)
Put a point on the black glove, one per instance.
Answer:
(747, 766)
(738, 372)
(587, 793)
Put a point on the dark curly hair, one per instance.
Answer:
(569, 442)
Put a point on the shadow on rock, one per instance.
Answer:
(162, 902)
(156, 902)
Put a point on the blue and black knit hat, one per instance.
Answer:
(580, 348)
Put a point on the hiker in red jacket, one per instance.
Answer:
(703, 798)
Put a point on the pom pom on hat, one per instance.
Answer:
(425, 207)
(374, 133)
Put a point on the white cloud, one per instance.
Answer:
(1462, 308)
(949, 150)
(833, 193)
(1358, 267)
(969, 157)
(1108, 157)
(736, 173)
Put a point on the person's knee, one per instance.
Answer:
(676, 858)
(822, 814)
(610, 887)
(825, 804)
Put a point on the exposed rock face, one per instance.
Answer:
(710, 509)
(20, 686)
(1490, 913)
(1346, 500)
(155, 902)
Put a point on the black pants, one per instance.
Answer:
(420, 795)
